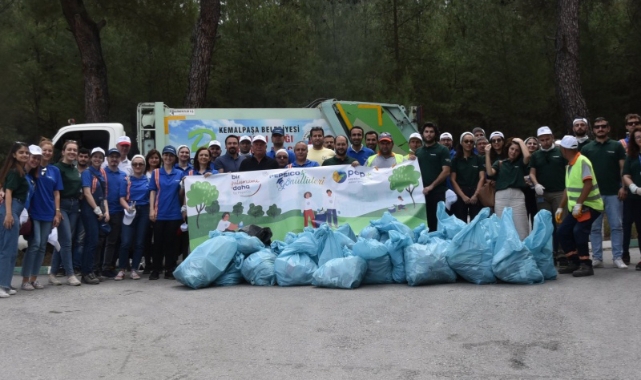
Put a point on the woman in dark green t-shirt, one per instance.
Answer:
(467, 178)
(632, 178)
(16, 190)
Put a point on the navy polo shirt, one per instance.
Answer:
(43, 205)
(136, 190)
(167, 194)
(228, 163)
(88, 177)
(114, 178)
(188, 168)
(362, 155)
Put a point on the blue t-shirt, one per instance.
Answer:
(136, 189)
(114, 178)
(292, 156)
(43, 205)
(307, 164)
(167, 203)
(362, 155)
(188, 168)
(208, 170)
(95, 181)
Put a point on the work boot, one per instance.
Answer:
(563, 262)
(584, 270)
(570, 268)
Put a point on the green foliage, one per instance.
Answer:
(199, 195)
(255, 211)
(274, 211)
(238, 209)
(404, 178)
(213, 208)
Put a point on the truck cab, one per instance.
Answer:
(103, 135)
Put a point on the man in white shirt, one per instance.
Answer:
(123, 145)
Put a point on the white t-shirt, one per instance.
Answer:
(309, 204)
(329, 202)
(223, 225)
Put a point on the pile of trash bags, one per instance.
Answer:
(385, 252)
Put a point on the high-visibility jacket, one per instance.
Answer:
(574, 184)
(398, 157)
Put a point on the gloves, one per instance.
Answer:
(577, 210)
(634, 189)
(538, 188)
(557, 215)
(97, 211)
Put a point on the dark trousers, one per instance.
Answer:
(149, 246)
(575, 236)
(332, 218)
(530, 204)
(628, 218)
(91, 226)
(431, 201)
(461, 209)
(112, 241)
(166, 244)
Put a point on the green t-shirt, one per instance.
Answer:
(337, 161)
(510, 174)
(467, 170)
(605, 162)
(70, 180)
(632, 167)
(550, 169)
(18, 185)
(431, 161)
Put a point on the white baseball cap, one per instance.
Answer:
(578, 120)
(446, 135)
(415, 136)
(128, 217)
(35, 150)
(215, 142)
(245, 138)
(97, 150)
(124, 140)
(569, 142)
(496, 133)
(543, 131)
(259, 138)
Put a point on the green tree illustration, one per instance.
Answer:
(273, 211)
(198, 134)
(199, 195)
(213, 208)
(255, 210)
(404, 178)
(238, 208)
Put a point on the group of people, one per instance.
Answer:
(111, 211)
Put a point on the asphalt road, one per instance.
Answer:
(572, 328)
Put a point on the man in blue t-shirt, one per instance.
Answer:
(357, 151)
(111, 243)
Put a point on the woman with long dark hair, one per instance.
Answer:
(202, 160)
(632, 178)
(152, 162)
(467, 178)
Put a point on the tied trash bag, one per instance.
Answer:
(418, 230)
(206, 262)
(470, 254)
(246, 244)
(449, 225)
(258, 268)
(512, 261)
(332, 244)
(539, 242)
(389, 223)
(232, 275)
(342, 273)
(369, 232)
(346, 230)
(278, 246)
(427, 264)
(395, 247)
(492, 228)
(296, 264)
(379, 263)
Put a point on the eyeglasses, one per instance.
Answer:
(631, 123)
(468, 141)
(494, 141)
(600, 126)
(282, 157)
(138, 164)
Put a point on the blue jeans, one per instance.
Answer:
(135, 233)
(614, 210)
(9, 243)
(92, 229)
(37, 246)
(69, 208)
(78, 244)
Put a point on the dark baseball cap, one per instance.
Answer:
(278, 131)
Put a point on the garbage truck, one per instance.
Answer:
(159, 125)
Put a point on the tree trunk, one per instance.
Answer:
(566, 66)
(204, 40)
(94, 70)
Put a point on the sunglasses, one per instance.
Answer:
(496, 141)
(468, 141)
(631, 123)
(600, 126)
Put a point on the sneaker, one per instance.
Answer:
(108, 273)
(134, 275)
(584, 270)
(619, 264)
(597, 264)
(73, 280)
(154, 275)
(90, 279)
(626, 258)
(169, 276)
(120, 276)
(3, 293)
(563, 261)
(12, 291)
(53, 280)
(60, 273)
(638, 267)
(26, 286)
(572, 266)
(36, 285)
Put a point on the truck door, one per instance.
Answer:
(85, 139)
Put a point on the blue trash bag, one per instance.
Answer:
(512, 261)
(427, 236)
(379, 263)
(290, 237)
(389, 223)
(258, 268)
(417, 231)
(539, 242)
(449, 225)
(346, 230)
(395, 246)
(369, 232)
(470, 255)
(206, 262)
(232, 275)
(294, 268)
(427, 264)
(492, 228)
(342, 273)
(384, 237)
(278, 246)
(246, 244)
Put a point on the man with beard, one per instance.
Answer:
(446, 141)
(434, 161)
(385, 157)
(245, 144)
(230, 161)
(329, 141)
(371, 140)
(278, 139)
(357, 150)
(580, 129)
(214, 149)
(607, 157)
(83, 159)
(318, 152)
(341, 157)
